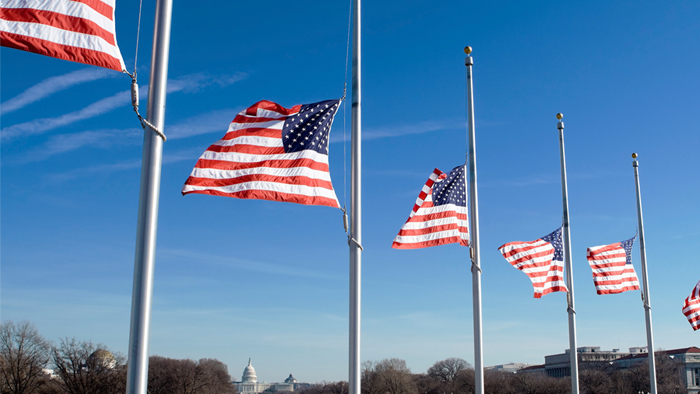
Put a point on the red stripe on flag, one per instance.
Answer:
(427, 244)
(287, 180)
(271, 106)
(438, 215)
(232, 165)
(434, 229)
(258, 132)
(102, 8)
(248, 149)
(272, 196)
(57, 20)
(65, 52)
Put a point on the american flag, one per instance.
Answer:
(541, 260)
(76, 30)
(271, 153)
(612, 267)
(439, 215)
(691, 307)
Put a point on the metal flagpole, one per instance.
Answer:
(355, 209)
(474, 224)
(645, 294)
(567, 258)
(137, 364)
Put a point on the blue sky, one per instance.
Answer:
(243, 278)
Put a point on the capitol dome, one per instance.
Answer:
(249, 374)
(290, 379)
(101, 358)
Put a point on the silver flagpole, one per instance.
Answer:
(474, 224)
(645, 280)
(355, 209)
(567, 258)
(137, 364)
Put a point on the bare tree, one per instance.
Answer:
(84, 368)
(427, 385)
(24, 355)
(327, 388)
(497, 382)
(216, 376)
(395, 377)
(447, 370)
(171, 376)
(595, 381)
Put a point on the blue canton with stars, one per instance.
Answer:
(309, 129)
(452, 189)
(555, 239)
(627, 246)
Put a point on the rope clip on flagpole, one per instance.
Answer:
(474, 264)
(135, 105)
(345, 224)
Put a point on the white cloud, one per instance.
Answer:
(211, 122)
(232, 262)
(63, 143)
(399, 130)
(40, 126)
(53, 85)
(188, 84)
(124, 165)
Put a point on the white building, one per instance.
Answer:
(249, 383)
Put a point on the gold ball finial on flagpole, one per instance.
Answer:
(468, 50)
(634, 155)
(560, 115)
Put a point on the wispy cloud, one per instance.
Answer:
(402, 129)
(248, 265)
(53, 85)
(94, 138)
(40, 126)
(124, 165)
(188, 84)
(531, 181)
(210, 122)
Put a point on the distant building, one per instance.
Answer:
(539, 369)
(510, 367)
(689, 358)
(249, 383)
(559, 365)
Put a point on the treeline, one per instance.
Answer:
(29, 364)
(456, 376)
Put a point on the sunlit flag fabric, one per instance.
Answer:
(439, 215)
(541, 260)
(691, 307)
(76, 30)
(271, 153)
(612, 267)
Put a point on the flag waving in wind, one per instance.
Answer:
(271, 153)
(541, 260)
(439, 215)
(80, 31)
(691, 307)
(612, 267)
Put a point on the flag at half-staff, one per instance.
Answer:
(691, 307)
(439, 215)
(271, 153)
(79, 31)
(612, 267)
(541, 260)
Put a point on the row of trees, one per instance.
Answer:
(456, 376)
(29, 364)
(79, 367)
